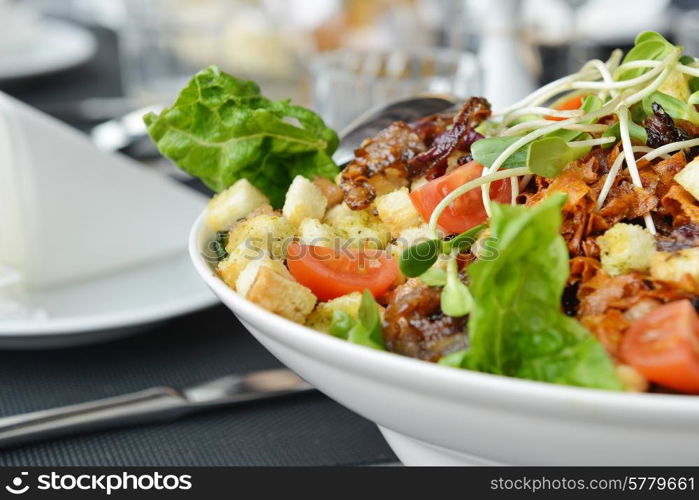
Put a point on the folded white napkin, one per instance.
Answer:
(69, 211)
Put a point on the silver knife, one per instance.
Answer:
(150, 405)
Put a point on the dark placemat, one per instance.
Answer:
(307, 429)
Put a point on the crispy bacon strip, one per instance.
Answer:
(378, 160)
(433, 162)
(414, 324)
(681, 206)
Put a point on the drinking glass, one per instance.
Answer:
(685, 31)
(165, 42)
(347, 82)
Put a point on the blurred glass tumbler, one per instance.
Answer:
(164, 42)
(346, 82)
(685, 31)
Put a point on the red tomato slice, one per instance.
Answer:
(572, 103)
(664, 346)
(332, 272)
(467, 210)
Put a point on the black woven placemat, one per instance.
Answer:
(303, 430)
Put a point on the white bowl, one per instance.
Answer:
(435, 415)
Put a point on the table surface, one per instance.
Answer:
(307, 429)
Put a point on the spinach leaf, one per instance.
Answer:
(341, 324)
(485, 151)
(547, 156)
(366, 330)
(434, 277)
(370, 318)
(464, 241)
(516, 327)
(418, 258)
(648, 45)
(221, 129)
(551, 153)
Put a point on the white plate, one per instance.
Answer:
(436, 415)
(108, 307)
(60, 45)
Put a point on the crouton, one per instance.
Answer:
(666, 266)
(231, 205)
(485, 246)
(229, 269)
(281, 295)
(266, 232)
(388, 180)
(626, 247)
(361, 227)
(688, 178)
(631, 379)
(249, 273)
(409, 237)
(304, 200)
(322, 316)
(397, 212)
(314, 232)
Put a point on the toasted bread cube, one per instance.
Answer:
(228, 207)
(388, 180)
(304, 200)
(688, 178)
(269, 232)
(229, 269)
(247, 276)
(397, 212)
(322, 316)
(409, 237)
(626, 247)
(631, 379)
(314, 232)
(361, 227)
(668, 266)
(413, 236)
(485, 247)
(281, 295)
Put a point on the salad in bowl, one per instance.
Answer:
(555, 240)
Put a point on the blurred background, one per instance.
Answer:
(88, 61)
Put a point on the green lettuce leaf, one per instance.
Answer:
(516, 327)
(366, 330)
(648, 45)
(222, 129)
(486, 151)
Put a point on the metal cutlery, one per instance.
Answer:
(155, 404)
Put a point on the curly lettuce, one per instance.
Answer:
(222, 129)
